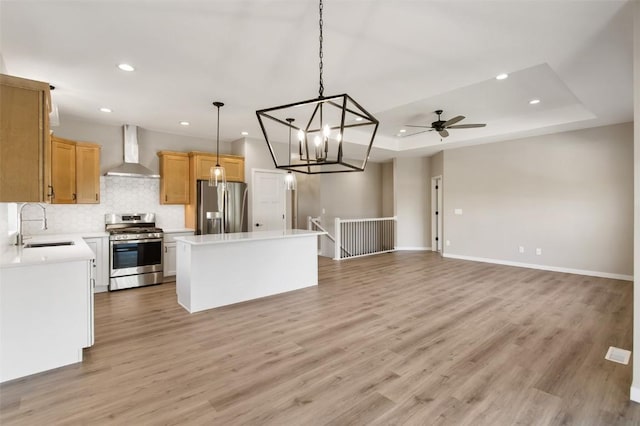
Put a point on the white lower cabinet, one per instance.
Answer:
(169, 255)
(100, 247)
(46, 316)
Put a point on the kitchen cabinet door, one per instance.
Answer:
(203, 164)
(24, 139)
(63, 171)
(100, 247)
(174, 177)
(169, 259)
(169, 266)
(87, 173)
(234, 168)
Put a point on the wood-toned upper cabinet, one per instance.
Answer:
(75, 172)
(233, 165)
(63, 171)
(87, 173)
(174, 177)
(24, 139)
(234, 168)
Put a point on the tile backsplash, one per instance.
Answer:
(118, 195)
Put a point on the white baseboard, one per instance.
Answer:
(543, 267)
(413, 248)
(634, 395)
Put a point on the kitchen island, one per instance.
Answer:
(221, 269)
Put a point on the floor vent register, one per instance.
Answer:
(621, 356)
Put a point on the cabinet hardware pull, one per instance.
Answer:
(96, 196)
(165, 197)
(74, 196)
(52, 193)
(165, 249)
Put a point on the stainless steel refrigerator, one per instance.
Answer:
(221, 210)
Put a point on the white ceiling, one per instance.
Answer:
(400, 59)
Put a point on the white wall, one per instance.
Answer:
(387, 189)
(411, 179)
(569, 194)
(635, 386)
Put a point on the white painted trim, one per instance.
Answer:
(543, 267)
(634, 395)
(413, 248)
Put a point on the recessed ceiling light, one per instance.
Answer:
(103, 109)
(184, 123)
(244, 133)
(403, 130)
(502, 76)
(126, 67)
(534, 101)
(358, 118)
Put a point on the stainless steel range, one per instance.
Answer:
(135, 247)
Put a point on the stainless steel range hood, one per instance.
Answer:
(131, 166)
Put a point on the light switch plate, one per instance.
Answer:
(457, 211)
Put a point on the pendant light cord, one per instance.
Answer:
(218, 105)
(320, 53)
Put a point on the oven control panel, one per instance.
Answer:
(146, 236)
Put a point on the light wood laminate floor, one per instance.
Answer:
(403, 338)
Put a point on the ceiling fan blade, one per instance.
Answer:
(417, 133)
(466, 126)
(443, 133)
(412, 125)
(454, 120)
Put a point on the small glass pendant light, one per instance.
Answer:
(217, 174)
(290, 182)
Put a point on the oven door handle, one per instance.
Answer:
(152, 240)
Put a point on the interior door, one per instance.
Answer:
(268, 201)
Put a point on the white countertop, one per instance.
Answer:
(239, 237)
(177, 230)
(14, 256)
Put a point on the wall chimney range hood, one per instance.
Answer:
(131, 166)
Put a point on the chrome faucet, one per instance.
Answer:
(19, 235)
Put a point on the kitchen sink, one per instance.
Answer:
(49, 244)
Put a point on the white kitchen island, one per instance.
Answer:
(221, 269)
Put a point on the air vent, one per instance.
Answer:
(621, 356)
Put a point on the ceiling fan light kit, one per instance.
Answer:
(324, 124)
(441, 125)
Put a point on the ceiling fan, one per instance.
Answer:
(441, 126)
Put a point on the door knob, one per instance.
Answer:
(257, 224)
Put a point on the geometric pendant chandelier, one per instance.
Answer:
(320, 126)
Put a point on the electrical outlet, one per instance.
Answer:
(448, 243)
(520, 249)
(538, 251)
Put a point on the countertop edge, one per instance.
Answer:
(254, 236)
